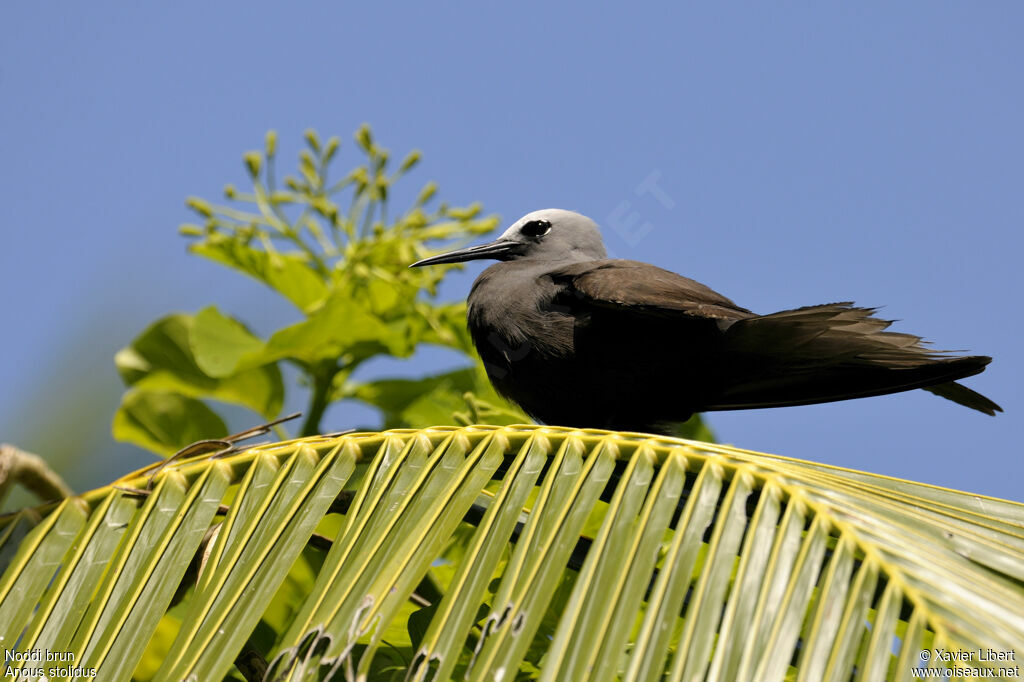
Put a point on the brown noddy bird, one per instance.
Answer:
(578, 339)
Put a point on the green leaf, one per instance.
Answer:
(341, 328)
(418, 623)
(165, 422)
(435, 407)
(260, 389)
(218, 342)
(447, 327)
(163, 348)
(288, 274)
(695, 428)
(438, 399)
(416, 402)
(161, 359)
(489, 409)
(384, 295)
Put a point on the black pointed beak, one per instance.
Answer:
(496, 250)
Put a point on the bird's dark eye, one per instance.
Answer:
(536, 228)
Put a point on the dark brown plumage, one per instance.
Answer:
(577, 339)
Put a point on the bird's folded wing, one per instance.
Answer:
(643, 288)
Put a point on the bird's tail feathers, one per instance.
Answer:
(962, 395)
(836, 351)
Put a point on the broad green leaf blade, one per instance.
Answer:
(161, 360)
(162, 349)
(218, 342)
(341, 326)
(416, 401)
(165, 422)
(287, 274)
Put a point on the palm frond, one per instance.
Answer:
(500, 552)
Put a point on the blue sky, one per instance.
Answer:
(802, 153)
